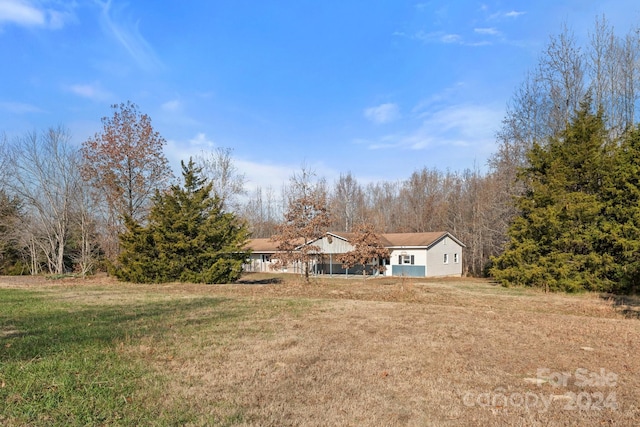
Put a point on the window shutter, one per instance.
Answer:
(400, 259)
(411, 259)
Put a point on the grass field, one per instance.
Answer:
(272, 351)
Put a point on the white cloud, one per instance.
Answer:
(200, 141)
(264, 175)
(177, 151)
(21, 13)
(447, 38)
(90, 91)
(172, 106)
(19, 108)
(383, 113)
(32, 14)
(257, 174)
(487, 31)
(451, 38)
(512, 14)
(465, 125)
(58, 19)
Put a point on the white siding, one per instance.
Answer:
(435, 259)
(337, 245)
(419, 258)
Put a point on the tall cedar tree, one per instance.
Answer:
(188, 238)
(367, 248)
(305, 220)
(556, 241)
(622, 195)
(126, 164)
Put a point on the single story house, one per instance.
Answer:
(433, 254)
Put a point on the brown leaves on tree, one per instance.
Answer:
(306, 220)
(367, 249)
(125, 161)
(125, 164)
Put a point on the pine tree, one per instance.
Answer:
(193, 239)
(622, 197)
(557, 240)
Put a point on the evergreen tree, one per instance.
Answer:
(558, 240)
(189, 238)
(622, 196)
(138, 260)
(10, 249)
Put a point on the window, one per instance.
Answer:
(446, 258)
(405, 259)
(455, 258)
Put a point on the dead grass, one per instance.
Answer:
(388, 352)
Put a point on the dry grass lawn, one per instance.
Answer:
(386, 352)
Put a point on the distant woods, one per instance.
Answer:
(429, 200)
(481, 205)
(64, 210)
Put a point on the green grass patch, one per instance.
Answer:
(70, 363)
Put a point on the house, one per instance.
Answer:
(262, 251)
(434, 254)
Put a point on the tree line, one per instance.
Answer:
(113, 204)
(67, 210)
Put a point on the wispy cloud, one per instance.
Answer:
(464, 125)
(19, 108)
(383, 113)
(487, 31)
(128, 36)
(21, 13)
(201, 141)
(34, 14)
(446, 38)
(451, 38)
(172, 106)
(512, 14)
(91, 91)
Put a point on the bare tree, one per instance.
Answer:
(562, 70)
(262, 212)
(45, 171)
(383, 209)
(228, 182)
(85, 227)
(422, 196)
(613, 68)
(347, 202)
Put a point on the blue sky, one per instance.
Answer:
(378, 88)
